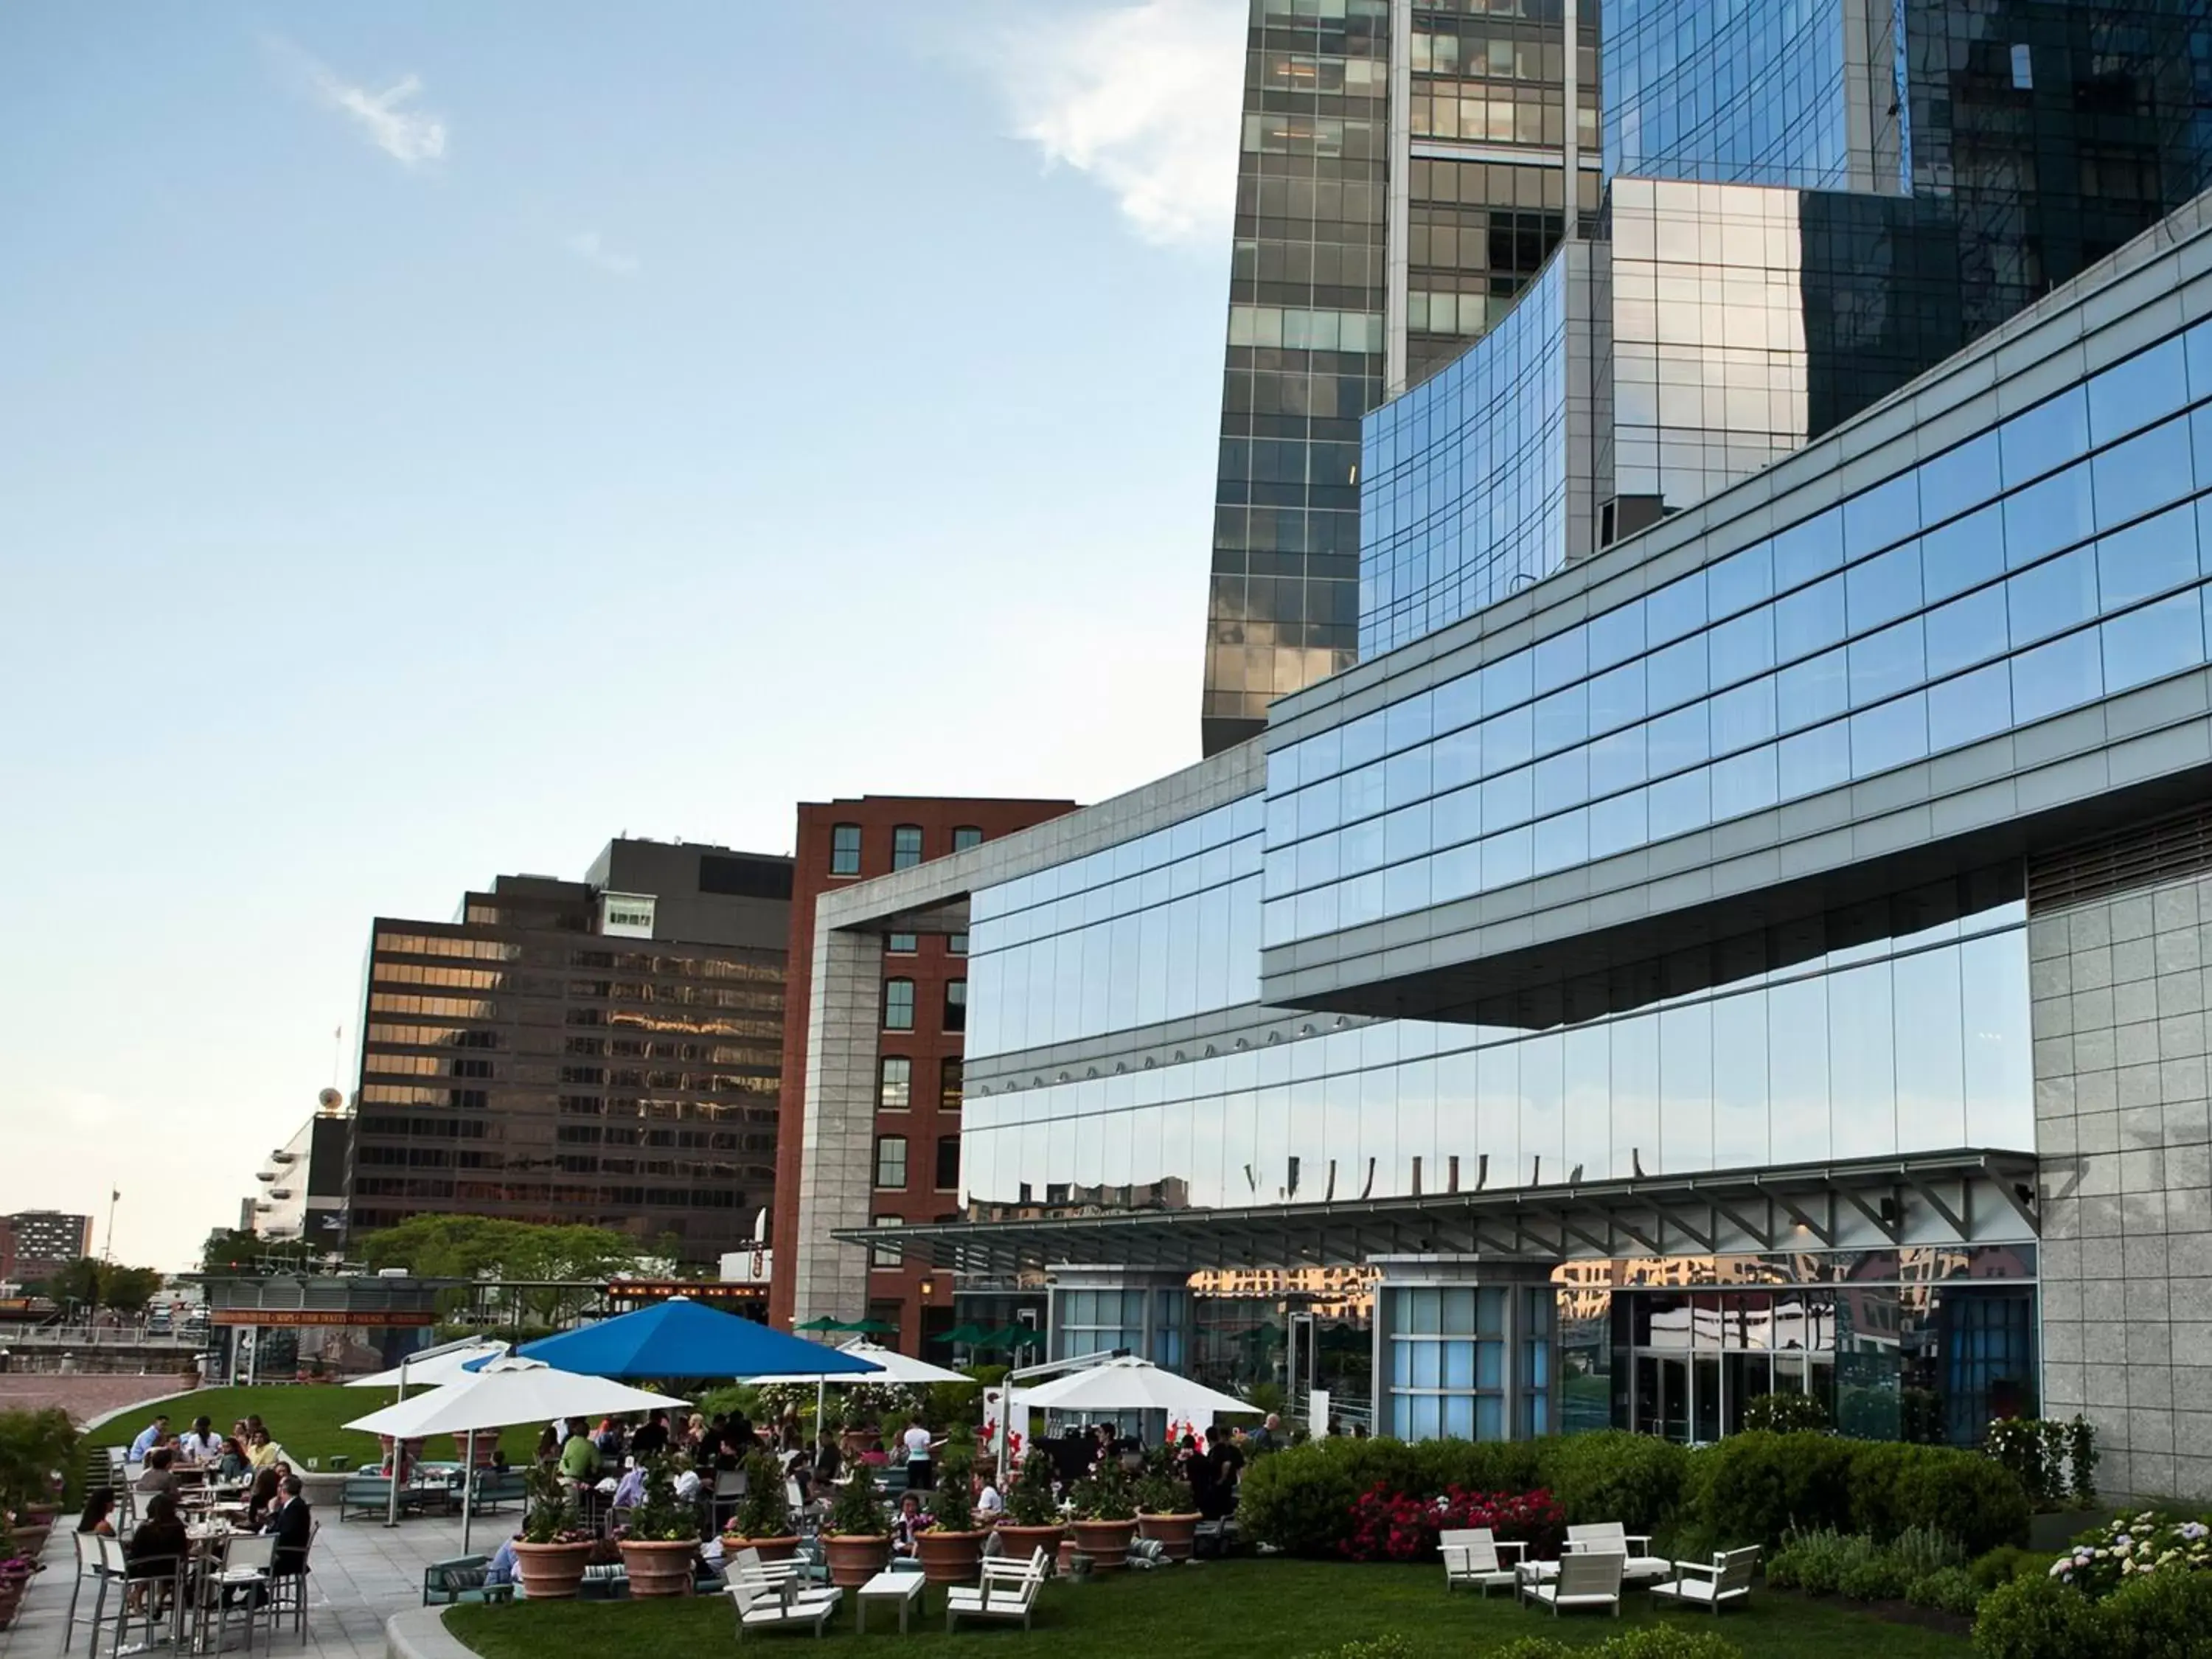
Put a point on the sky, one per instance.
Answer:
(434, 440)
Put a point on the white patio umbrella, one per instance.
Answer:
(506, 1391)
(899, 1370)
(1130, 1384)
(445, 1363)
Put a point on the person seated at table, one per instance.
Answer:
(829, 1461)
(261, 1451)
(653, 1439)
(291, 1523)
(630, 1490)
(161, 1473)
(579, 1458)
(549, 1446)
(159, 1546)
(694, 1433)
(99, 1507)
(199, 1444)
(231, 1463)
(609, 1439)
(687, 1483)
(504, 1567)
(989, 1506)
(262, 1497)
(150, 1437)
(910, 1521)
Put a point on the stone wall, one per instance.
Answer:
(2122, 1131)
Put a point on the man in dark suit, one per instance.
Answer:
(292, 1524)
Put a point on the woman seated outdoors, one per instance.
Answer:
(99, 1512)
(232, 1464)
(158, 1548)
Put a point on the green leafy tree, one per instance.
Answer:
(560, 1266)
(104, 1284)
(240, 1251)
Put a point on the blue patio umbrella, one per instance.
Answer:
(681, 1338)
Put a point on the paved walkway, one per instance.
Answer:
(363, 1574)
(83, 1397)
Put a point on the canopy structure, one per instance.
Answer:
(448, 1362)
(824, 1323)
(1130, 1384)
(973, 1336)
(903, 1370)
(681, 1338)
(503, 1392)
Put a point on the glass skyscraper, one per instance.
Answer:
(1399, 181)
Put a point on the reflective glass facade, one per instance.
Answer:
(1728, 91)
(1834, 1039)
(1159, 927)
(2033, 569)
(1465, 477)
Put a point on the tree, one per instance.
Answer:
(241, 1251)
(104, 1284)
(556, 1271)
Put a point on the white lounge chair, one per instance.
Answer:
(1471, 1558)
(1586, 1578)
(1611, 1538)
(1728, 1579)
(767, 1597)
(1008, 1591)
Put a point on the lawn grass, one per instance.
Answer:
(305, 1419)
(1261, 1609)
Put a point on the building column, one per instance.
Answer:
(837, 1126)
(1466, 1346)
(1144, 1310)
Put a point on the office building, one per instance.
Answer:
(1763, 949)
(1399, 178)
(904, 1151)
(301, 1194)
(605, 1051)
(43, 1242)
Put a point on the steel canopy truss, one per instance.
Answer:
(1950, 1198)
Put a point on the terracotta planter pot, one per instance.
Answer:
(855, 1558)
(31, 1540)
(858, 1441)
(1064, 1564)
(950, 1557)
(1022, 1542)
(550, 1572)
(1106, 1542)
(659, 1566)
(768, 1549)
(1175, 1533)
(487, 1443)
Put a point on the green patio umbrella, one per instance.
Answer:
(1015, 1336)
(871, 1326)
(972, 1336)
(825, 1323)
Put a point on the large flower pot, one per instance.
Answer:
(860, 1441)
(1106, 1542)
(550, 1572)
(1175, 1534)
(855, 1558)
(950, 1557)
(1022, 1542)
(659, 1566)
(31, 1540)
(768, 1549)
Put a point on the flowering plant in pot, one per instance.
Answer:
(857, 1537)
(763, 1521)
(661, 1541)
(553, 1550)
(1105, 1515)
(1032, 1521)
(951, 1548)
(1167, 1513)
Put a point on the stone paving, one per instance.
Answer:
(85, 1397)
(363, 1574)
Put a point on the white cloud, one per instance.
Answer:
(412, 138)
(591, 248)
(1145, 98)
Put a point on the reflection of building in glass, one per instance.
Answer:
(1724, 961)
(605, 1052)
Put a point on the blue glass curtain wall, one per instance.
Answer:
(2052, 561)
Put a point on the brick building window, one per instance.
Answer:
(948, 1164)
(898, 1005)
(950, 1084)
(965, 836)
(894, 1083)
(956, 1005)
(902, 945)
(881, 1258)
(906, 846)
(844, 849)
(890, 1161)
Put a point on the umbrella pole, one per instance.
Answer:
(398, 1457)
(468, 1491)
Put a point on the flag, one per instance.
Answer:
(115, 1197)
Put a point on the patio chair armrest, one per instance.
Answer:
(1708, 1568)
(1520, 1544)
(1642, 1538)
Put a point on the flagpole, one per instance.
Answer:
(107, 1250)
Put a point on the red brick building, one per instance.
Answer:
(917, 1140)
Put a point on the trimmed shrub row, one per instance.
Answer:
(1748, 1489)
(2161, 1615)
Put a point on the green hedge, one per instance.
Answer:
(2162, 1615)
(1748, 1489)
